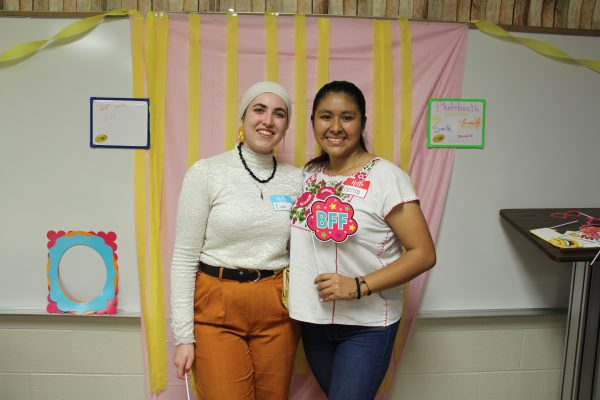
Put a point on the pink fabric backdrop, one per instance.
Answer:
(438, 64)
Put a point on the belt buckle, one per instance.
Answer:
(257, 273)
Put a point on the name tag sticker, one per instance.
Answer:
(356, 187)
(281, 202)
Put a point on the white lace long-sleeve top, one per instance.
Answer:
(223, 221)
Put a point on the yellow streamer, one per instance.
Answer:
(148, 185)
(383, 96)
(271, 47)
(540, 47)
(150, 63)
(231, 86)
(80, 27)
(376, 124)
(300, 90)
(387, 81)
(323, 52)
(322, 59)
(76, 28)
(406, 95)
(22, 50)
(404, 163)
(157, 300)
(137, 54)
(194, 89)
(140, 182)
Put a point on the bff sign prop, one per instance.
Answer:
(332, 219)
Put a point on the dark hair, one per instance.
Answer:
(356, 95)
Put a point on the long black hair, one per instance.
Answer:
(356, 95)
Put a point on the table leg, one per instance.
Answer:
(576, 323)
(589, 367)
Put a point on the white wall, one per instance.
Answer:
(542, 141)
(50, 177)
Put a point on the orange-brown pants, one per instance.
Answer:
(245, 339)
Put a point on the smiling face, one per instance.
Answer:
(265, 123)
(338, 126)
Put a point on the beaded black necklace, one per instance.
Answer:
(256, 178)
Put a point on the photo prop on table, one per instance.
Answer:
(119, 123)
(456, 123)
(104, 244)
(586, 237)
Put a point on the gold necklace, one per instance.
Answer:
(358, 163)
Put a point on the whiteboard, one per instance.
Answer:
(119, 122)
(458, 123)
(50, 177)
(542, 140)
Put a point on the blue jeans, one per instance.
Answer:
(348, 361)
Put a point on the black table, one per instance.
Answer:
(581, 344)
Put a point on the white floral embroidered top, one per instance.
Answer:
(338, 225)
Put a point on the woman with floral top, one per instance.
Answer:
(358, 234)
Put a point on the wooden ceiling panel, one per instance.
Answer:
(580, 17)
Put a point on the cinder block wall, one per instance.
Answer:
(59, 357)
(491, 358)
(97, 358)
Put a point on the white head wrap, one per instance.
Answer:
(265, 87)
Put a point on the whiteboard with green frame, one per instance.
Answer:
(456, 123)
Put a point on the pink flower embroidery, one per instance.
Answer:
(304, 199)
(325, 192)
(361, 175)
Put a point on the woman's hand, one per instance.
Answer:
(335, 287)
(183, 359)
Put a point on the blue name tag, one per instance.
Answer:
(281, 202)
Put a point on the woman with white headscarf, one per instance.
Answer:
(232, 231)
